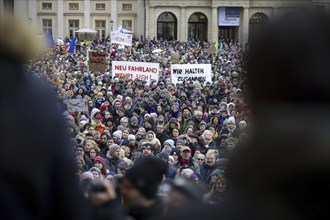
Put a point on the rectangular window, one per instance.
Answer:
(73, 6)
(127, 7)
(100, 6)
(73, 26)
(100, 28)
(127, 24)
(46, 6)
(47, 26)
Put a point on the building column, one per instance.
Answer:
(245, 26)
(152, 20)
(60, 20)
(140, 26)
(114, 14)
(214, 25)
(183, 26)
(33, 11)
(87, 14)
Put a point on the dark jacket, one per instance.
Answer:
(111, 163)
(206, 171)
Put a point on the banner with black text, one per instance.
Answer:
(191, 72)
(136, 70)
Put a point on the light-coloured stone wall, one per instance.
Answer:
(144, 13)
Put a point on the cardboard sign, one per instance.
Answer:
(191, 72)
(97, 61)
(136, 70)
(121, 38)
(77, 105)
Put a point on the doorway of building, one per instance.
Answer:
(167, 26)
(197, 27)
(228, 32)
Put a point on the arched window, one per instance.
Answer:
(257, 22)
(167, 26)
(197, 27)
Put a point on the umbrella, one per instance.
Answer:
(85, 30)
(157, 51)
(86, 34)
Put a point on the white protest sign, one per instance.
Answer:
(77, 105)
(135, 70)
(121, 38)
(190, 72)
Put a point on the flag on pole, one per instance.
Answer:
(217, 45)
(70, 48)
(119, 29)
(50, 40)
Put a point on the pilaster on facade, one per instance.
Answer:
(152, 23)
(113, 9)
(32, 7)
(214, 24)
(245, 26)
(60, 19)
(183, 24)
(87, 13)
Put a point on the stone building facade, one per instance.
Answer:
(167, 19)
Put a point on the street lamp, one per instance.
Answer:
(111, 25)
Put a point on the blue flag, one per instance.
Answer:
(50, 40)
(72, 44)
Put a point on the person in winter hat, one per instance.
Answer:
(113, 158)
(171, 171)
(168, 146)
(117, 135)
(99, 163)
(96, 172)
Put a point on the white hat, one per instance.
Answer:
(231, 120)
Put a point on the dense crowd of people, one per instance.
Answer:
(193, 127)
(159, 150)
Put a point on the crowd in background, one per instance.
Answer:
(192, 126)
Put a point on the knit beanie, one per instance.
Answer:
(113, 148)
(131, 137)
(95, 169)
(117, 134)
(169, 142)
(99, 159)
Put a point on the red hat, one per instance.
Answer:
(99, 159)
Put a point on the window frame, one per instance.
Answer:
(100, 9)
(47, 9)
(73, 3)
(47, 27)
(129, 21)
(127, 9)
